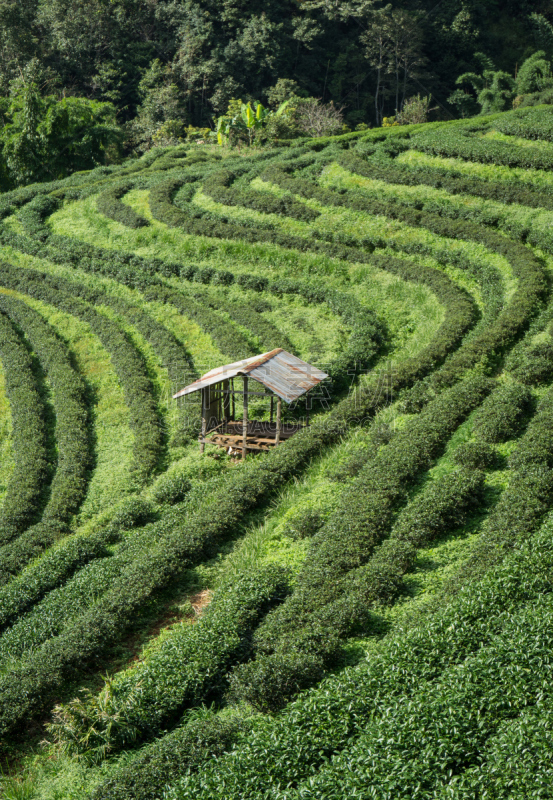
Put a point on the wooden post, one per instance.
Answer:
(245, 420)
(272, 406)
(278, 420)
(204, 420)
(233, 417)
(226, 403)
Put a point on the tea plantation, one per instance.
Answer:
(366, 610)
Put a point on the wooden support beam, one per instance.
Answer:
(278, 421)
(245, 420)
(239, 391)
(204, 420)
(233, 416)
(226, 403)
(272, 407)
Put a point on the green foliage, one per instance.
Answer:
(24, 495)
(501, 415)
(201, 735)
(70, 479)
(299, 640)
(475, 455)
(436, 655)
(535, 74)
(45, 138)
(131, 706)
(171, 489)
(238, 244)
(109, 203)
(495, 90)
(244, 121)
(128, 363)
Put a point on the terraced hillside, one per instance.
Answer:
(365, 611)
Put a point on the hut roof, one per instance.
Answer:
(284, 374)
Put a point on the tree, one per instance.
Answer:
(46, 138)
(543, 33)
(496, 90)
(393, 46)
(498, 95)
(535, 74)
(318, 119)
(493, 90)
(415, 111)
(245, 121)
(161, 115)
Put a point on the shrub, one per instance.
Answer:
(475, 455)
(24, 494)
(199, 737)
(502, 413)
(170, 489)
(188, 666)
(109, 203)
(536, 366)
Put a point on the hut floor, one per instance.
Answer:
(260, 437)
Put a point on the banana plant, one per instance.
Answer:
(249, 120)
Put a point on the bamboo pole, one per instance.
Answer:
(278, 421)
(245, 420)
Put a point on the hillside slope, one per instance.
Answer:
(365, 610)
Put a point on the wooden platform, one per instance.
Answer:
(260, 438)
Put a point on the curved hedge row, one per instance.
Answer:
(388, 170)
(55, 567)
(526, 267)
(434, 743)
(367, 331)
(87, 594)
(186, 748)
(52, 570)
(182, 540)
(24, 498)
(64, 603)
(69, 483)
(127, 362)
(527, 123)
(526, 499)
(219, 187)
(182, 671)
(502, 414)
(302, 636)
(323, 723)
(458, 144)
(109, 204)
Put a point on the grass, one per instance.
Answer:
(536, 144)
(356, 224)
(113, 438)
(535, 178)
(410, 311)
(6, 448)
(277, 532)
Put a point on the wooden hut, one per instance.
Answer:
(278, 375)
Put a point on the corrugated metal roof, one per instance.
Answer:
(284, 374)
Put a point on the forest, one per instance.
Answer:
(138, 73)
